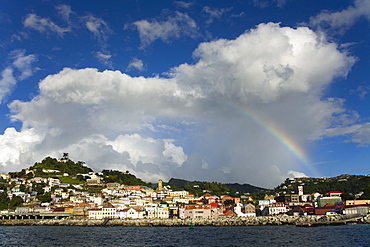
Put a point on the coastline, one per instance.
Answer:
(302, 221)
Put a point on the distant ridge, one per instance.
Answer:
(243, 188)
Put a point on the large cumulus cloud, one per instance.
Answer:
(210, 120)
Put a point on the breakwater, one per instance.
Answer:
(310, 220)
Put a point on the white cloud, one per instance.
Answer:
(266, 3)
(18, 148)
(137, 64)
(43, 25)
(242, 96)
(20, 69)
(214, 13)
(101, 31)
(172, 28)
(343, 20)
(104, 58)
(361, 91)
(265, 64)
(98, 27)
(65, 11)
(296, 174)
(23, 63)
(358, 133)
(7, 82)
(183, 4)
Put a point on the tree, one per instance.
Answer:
(228, 202)
(45, 197)
(38, 187)
(15, 202)
(366, 194)
(22, 188)
(65, 156)
(346, 196)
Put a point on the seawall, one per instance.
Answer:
(311, 220)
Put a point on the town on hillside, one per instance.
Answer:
(60, 188)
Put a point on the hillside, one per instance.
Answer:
(198, 187)
(64, 165)
(126, 178)
(348, 184)
(245, 188)
(52, 167)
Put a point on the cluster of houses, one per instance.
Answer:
(119, 201)
(330, 203)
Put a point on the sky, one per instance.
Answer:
(227, 91)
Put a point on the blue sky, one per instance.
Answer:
(227, 91)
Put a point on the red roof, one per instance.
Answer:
(108, 205)
(191, 207)
(95, 209)
(127, 209)
(229, 212)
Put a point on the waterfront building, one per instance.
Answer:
(322, 201)
(195, 211)
(133, 213)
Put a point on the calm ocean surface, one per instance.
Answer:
(352, 235)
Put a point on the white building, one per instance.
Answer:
(180, 194)
(54, 182)
(133, 213)
(275, 209)
(248, 210)
(96, 213)
(108, 211)
(155, 212)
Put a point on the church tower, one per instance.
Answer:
(160, 185)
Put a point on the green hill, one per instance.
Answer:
(64, 165)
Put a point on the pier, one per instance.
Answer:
(41, 216)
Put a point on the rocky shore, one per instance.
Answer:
(311, 220)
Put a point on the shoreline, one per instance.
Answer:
(299, 221)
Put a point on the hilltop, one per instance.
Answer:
(71, 172)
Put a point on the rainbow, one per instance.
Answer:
(278, 134)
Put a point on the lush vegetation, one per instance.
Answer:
(246, 188)
(70, 180)
(6, 203)
(111, 176)
(199, 188)
(64, 165)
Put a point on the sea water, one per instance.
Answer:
(347, 235)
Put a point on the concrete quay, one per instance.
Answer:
(311, 220)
